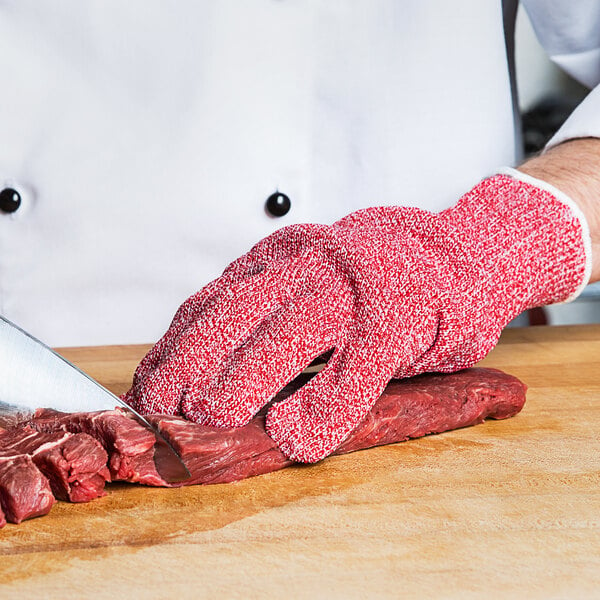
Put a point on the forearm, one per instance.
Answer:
(574, 168)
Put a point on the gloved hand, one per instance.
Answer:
(395, 291)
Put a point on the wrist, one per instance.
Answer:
(529, 244)
(573, 167)
(575, 210)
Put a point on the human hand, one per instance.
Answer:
(394, 291)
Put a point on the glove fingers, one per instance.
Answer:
(189, 311)
(180, 321)
(277, 251)
(228, 318)
(313, 422)
(278, 350)
(453, 349)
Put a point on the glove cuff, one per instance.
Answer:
(530, 241)
(577, 213)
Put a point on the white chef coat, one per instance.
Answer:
(144, 136)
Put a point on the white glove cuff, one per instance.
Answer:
(577, 212)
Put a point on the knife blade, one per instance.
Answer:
(32, 376)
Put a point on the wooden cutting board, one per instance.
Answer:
(507, 509)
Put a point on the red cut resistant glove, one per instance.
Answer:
(395, 291)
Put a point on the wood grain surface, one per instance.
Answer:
(507, 509)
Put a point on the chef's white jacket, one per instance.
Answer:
(145, 136)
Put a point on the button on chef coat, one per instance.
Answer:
(144, 138)
(10, 200)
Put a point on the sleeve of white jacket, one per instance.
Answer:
(570, 33)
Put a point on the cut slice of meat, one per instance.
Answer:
(215, 455)
(130, 445)
(24, 491)
(407, 409)
(74, 464)
(76, 468)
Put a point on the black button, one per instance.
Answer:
(10, 200)
(278, 204)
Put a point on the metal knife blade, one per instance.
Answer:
(33, 376)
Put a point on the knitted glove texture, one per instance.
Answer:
(394, 291)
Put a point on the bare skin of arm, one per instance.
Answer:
(574, 168)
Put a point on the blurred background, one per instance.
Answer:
(547, 96)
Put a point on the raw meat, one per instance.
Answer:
(129, 445)
(418, 406)
(67, 446)
(37, 467)
(76, 468)
(407, 409)
(24, 491)
(74, 464)
(222, 455)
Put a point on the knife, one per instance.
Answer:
(33, 376)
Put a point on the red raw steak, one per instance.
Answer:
(407, 409)
(24, 491)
